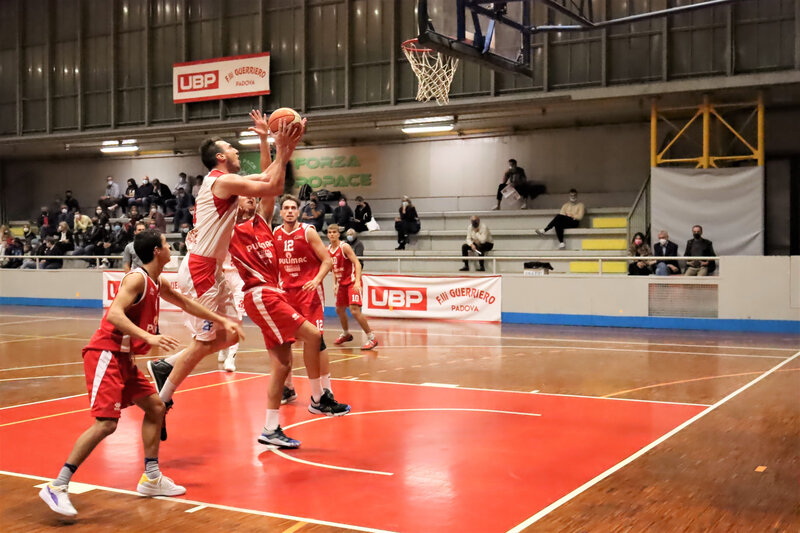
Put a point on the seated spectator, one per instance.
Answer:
(161, 194)
(183, 203)
(134, 216)
(479, 240)
(80, 222)
(52, 248)
(65, 216)
(184, 230)
(114, 241)
(12, 257)
(514, 176)
(342, 214)
(355, 244)
(313, 213)
(666, 248)
(71, 202)
(129, 258)
(144, 195)
(46, 223)
(27, 252)
(27, 233)
(102, 215)
(156, 220)
(110, 198)
(183, 183)
(64, 237)
(570, 216)
(91, 239)
(697, 246)
(362, 215)
(639, 248)
(198, 182)
(130, 194)
(6, 240)
(407, 223)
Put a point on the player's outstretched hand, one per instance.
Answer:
(233, 328)
(288, 135)
(311, 285)
(165, 342)
(260, 125)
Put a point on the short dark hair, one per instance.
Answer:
(182, 174)
(291, 197)
(512, 161)
(140, 223)
(69, 191)
(359, 198)
(209, 150)
(145, 243)
(573, 191)
(698, 226)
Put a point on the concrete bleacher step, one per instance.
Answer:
(604, 244)
(609, 222)
(593, 267)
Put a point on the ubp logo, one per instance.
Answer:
(401, 298)
(112, 288)
(198, 81)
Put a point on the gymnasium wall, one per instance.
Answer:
(598, 159)
(752, 294)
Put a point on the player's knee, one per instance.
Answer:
(355, 309)
(156, 409)
(106, 426)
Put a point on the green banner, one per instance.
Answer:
(323, 168)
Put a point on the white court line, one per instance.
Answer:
(42, 401)
(39, 366)
(331, 467)
(195, 509)
(44, 377)
(26, 321)
(213, 505)
(62, 337)
(561, 501)
(593, 348)
(444, 385)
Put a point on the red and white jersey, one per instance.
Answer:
(342, 267)
(213, 220)
(253, 254)
(297, 260)
(143, 313)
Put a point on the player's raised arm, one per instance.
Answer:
(261, 128)
(130, 291)
(194, 308)
(326, 263)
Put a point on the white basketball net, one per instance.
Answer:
(434, 72)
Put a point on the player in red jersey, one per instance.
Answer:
(347, 274)
(200, 276)
(253, 253)
(304, 262)
(129, 328)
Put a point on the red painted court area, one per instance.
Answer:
(408, 458)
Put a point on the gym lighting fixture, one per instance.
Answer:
(248, 138)
(428, 124)
(115, 147)
(432, 128)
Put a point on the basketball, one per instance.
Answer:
(283, 113)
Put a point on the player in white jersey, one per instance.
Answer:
(200, 276)
(227, 356)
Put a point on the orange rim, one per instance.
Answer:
(407, 46)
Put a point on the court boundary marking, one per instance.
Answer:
(195, 503)
(597, 479)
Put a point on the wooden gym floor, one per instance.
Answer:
(465, 428)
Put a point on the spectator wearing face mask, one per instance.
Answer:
(111, 194)
(313, 213)
(71, 202)
(666, 248)
(479, 241)
(407, 223)
(64, 237)
(144, 195)
(342, 214)
(358, 247)
(156, 220)
(639, 248)
(102, 215)
(27, 233)
(52, 248)
(570, 216)
(92, 238)
(362, 215)
(161, 195)
(46, 222)
(130, 194)
(65, 216)
(697, 246)
(114, 242)
(80, 222)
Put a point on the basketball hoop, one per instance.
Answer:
(434, 71)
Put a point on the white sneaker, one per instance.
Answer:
(161, 486)
(57, 498)
(524, 206)
(561, 245)
(230, 364)
(540, 232)
(222, 355)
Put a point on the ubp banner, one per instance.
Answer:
(223, 77)
(453, 298)
(112, 280)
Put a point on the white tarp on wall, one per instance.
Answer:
(727, 202)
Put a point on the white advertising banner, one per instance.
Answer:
(224, 77)
(112, 279)
(453, 298)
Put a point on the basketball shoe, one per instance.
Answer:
(277, 438)
(57, 498)
(160, 486)
(289, 395)
(328, 406)
(344, 337)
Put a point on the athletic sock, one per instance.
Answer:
(233, 349)
(65, 475)
(345, 333)
(172, 359)
(325, 380)
(371, 336)
(316, 389)
(151, 467)
(167, 390)
(273, 420)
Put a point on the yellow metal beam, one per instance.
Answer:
(706, 132)
(760, 141)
